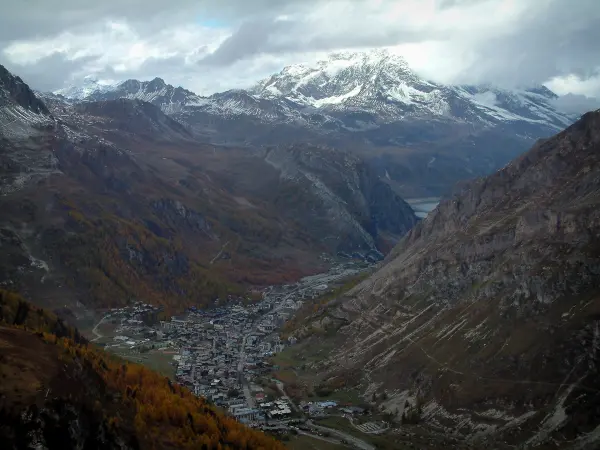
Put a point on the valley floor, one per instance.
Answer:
(224, 354)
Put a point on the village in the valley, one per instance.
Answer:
(223, 353)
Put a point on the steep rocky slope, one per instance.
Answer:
(108, 201)
(339, 192)
(483, 322)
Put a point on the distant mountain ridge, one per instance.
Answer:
(383, 83)
(89, 86)
(420, 137)
(377, 82)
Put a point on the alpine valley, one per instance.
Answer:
(474, 325)
(111, 200)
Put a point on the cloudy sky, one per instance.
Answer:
(208, 46)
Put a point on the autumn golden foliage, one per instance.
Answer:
(165, 414)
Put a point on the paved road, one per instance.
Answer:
(98, 335)
(358, 443)
(245, 387)
(347, 437)
(279, 385)
(249, 399)
(322, 438)
(220, 252)
(240, 368)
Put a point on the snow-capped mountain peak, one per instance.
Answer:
(169, 98)
(348, 90)
(337, 79)
(380, 84)
(372, 57)
(90, 84)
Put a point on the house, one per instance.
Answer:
(245, 414)
(353, 410)
(327, 404)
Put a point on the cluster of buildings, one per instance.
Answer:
(278, 409)
(224, 349)
(223, 352)
(317, 409)
(133, 327)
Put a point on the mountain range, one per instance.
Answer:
(113, 200)
(482, 323)
(422, 137)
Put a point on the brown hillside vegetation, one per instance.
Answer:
(60, 394)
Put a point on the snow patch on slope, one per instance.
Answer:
(336, 99)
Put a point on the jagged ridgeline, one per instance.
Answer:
(57, 392)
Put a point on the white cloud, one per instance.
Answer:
(208, 46)
(575, 84)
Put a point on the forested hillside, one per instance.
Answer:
(59, 392)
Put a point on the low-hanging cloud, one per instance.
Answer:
(49, 72)
(576, 104)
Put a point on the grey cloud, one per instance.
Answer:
(250, 39)
(173, 70)
(49, 73)
(555, 38)
(55, 71)
(25, 19)
(151, 68)
(373, 38)
(577, 104)
(445, 4)
(559, 40)
(270, 36)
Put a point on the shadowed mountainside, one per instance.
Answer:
(483, 322)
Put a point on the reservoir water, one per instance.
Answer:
(423, 206)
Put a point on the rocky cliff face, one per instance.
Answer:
(340, 197)
(484, 320)
(134, 117)
(14, 92)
